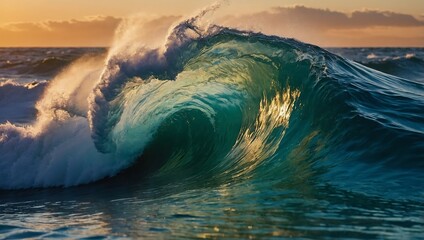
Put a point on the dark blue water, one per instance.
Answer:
(224, 135)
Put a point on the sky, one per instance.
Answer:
(328, 23)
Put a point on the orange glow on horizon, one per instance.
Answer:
(65, 23)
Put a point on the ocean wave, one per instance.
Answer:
(402, 62)
(216, 103)
(408, 66)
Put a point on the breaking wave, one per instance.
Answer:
(217, 103)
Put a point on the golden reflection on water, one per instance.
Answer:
(74, 224)
(259, 143)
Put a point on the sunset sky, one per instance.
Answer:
(325, 23)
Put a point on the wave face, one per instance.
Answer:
(231, 104)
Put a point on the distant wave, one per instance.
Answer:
(402, 62)
(40, 61)
(409, 66)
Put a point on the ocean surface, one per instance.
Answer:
(219, 133)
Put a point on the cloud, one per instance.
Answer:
(325, 18)
(315, 25)
(376, 18)
(323, 27)
(92, 31)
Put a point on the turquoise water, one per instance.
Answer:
(227, 134)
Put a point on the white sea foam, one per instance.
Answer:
(56, 149)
